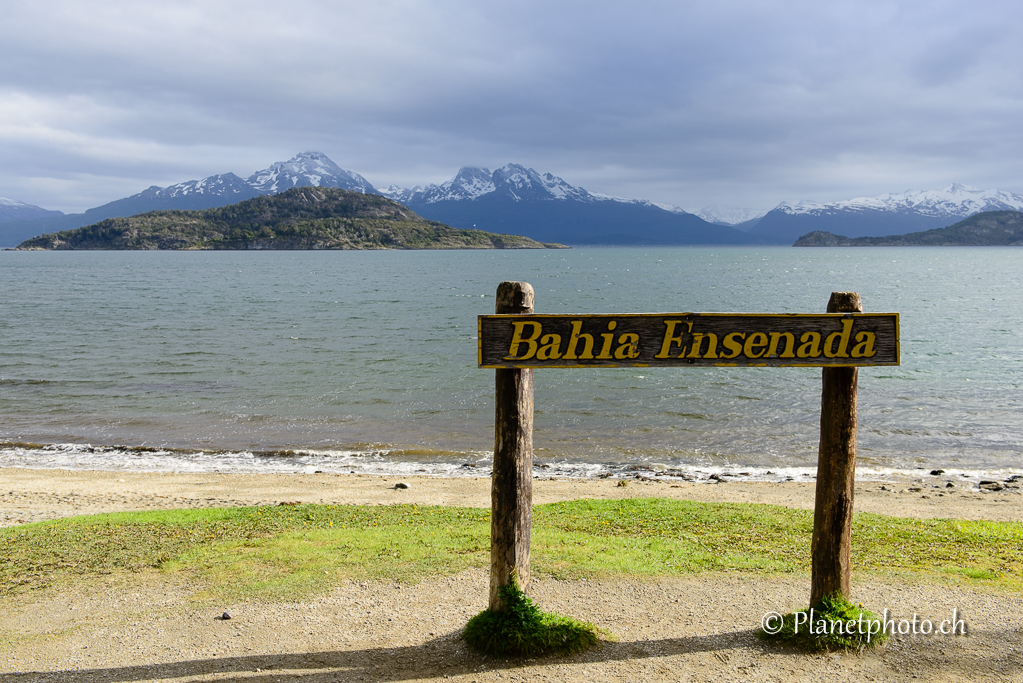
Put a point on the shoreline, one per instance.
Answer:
(33, 495)
(389, 461)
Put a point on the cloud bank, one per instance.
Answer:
(732, 103)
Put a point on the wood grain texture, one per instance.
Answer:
(836, 473)
(689, 339)
(511, 495)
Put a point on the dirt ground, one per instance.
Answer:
(154, 627)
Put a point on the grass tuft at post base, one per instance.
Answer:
(524, 630)
(825, 627)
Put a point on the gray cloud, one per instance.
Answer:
(745, 103)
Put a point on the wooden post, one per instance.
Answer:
(836, 472)
(511, 492)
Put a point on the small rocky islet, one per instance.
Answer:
(986, 229)
(299, 218)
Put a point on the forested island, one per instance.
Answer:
(986, 229)
(300, 218)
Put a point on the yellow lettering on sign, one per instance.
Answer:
(670, 339)
(608, 337)
(843, 341)
(573, 342)
(757, 340)
(712, 345)
(835, 340)
(812, 347)
(629, 346)
(518, 339)
(790, 345)
(732, 343)
(865, 346)
(549, 347)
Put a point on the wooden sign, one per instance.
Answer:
(516, 340)
(683, 339)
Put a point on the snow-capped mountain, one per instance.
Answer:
(226, 185)
(955, 201)
(470, 182)
(519, 200)
(887, 214)
(18, 220)
(308, 168)
(729, 215)
(305, 169)
(512, 181)
(208, 193)
(513, 199)
(13, 210)
(522, 183)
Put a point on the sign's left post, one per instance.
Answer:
(511, 493)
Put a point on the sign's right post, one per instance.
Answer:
(836, 472)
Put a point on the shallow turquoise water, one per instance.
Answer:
(364, 357)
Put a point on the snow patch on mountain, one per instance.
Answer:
(955, 201)
(402, 195)
(729, 215)
(215, 185)
(308, 168)
(525, 183)
(12, 209)
(513, 181)
(469, 183)
(670, 208)
(472, 182)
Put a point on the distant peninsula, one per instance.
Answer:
(986, 229)
(300, 218)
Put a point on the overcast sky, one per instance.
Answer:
(692, 103)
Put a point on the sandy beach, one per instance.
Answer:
(152, 627)
(30, 495)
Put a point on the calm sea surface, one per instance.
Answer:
(366, 361)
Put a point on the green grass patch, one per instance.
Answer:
(833, 624)
(271, 552)
(296, 550)
(522, 629)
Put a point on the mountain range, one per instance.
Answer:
(736, 216)
(516, 199)
(13, 210)
(885, 215)
(306, 169)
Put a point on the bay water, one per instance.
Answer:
(366, 361)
